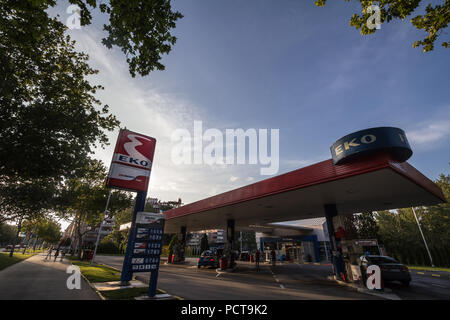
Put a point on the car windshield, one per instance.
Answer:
(207, 253)
(380, 259)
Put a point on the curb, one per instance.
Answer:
(89, 283)
(386, 294)
(162, 290)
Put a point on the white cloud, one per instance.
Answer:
(141, 106)
(293, 164)
(430, 134)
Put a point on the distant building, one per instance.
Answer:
(216, 238)
(89, 233)
(301, 240)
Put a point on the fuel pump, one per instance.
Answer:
(352, 251)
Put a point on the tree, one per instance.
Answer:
(46, 228)
(401, 237)
(117, 237)
(172, 244)
(248, 240)
(49, 230)
(435, 220)
(7, 234)
(141, 28)
(204, 245)
(434, 21)
(84, 199)
(366, 225)
(351, 231)
(49, 116)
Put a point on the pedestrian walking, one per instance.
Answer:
(56, 254)
(274, 257)
(257, 257)
(49, 253)
(63, 254)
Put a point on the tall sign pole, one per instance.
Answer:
(100, 227)
(130, 170)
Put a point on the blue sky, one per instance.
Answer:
(287, 65)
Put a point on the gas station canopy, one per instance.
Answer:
(371, 183)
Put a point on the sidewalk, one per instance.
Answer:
(38, 279)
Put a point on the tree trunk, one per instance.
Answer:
(19, 227)
(35, 243)
(79, 239)
(26, 246)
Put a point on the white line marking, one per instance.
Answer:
(281, 286)
(277, 280)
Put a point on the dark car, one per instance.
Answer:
(207, 259)
(391, 269)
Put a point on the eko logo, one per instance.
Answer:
(133, 156)
(366, 139)
(374, 277)
(74, 280)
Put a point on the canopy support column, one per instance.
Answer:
(338, 265)
(230, 239)
(183, 230)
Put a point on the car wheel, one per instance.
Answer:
(198, 266)
(406, 283)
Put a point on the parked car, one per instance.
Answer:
(391, 269)
(207, 259)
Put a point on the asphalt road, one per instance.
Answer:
(424, 286)
(287, 281)
(284, 282)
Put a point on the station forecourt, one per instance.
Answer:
(368, 172)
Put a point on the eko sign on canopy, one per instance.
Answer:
(132, 162)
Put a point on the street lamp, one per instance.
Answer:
(423, 237)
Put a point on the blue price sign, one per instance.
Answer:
(147, 242)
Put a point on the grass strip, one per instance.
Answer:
(6, 260)
(96, 272)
